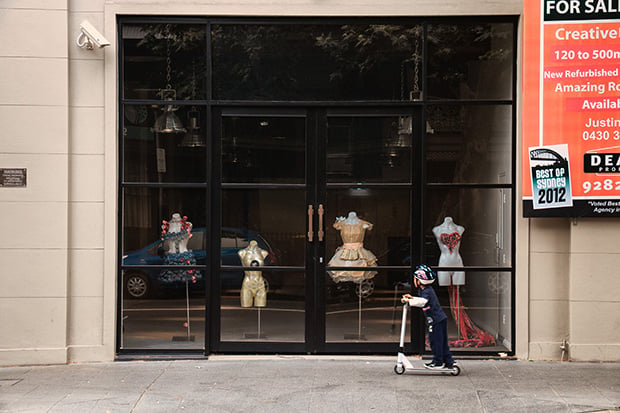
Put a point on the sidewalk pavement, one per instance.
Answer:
(309, 384)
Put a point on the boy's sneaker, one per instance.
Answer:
(434, 366)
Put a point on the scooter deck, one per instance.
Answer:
(454, 371)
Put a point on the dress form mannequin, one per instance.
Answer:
(448, 236)
(253, 286)
(352, 253)
(352, 219)
(176, 233)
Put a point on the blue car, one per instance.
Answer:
(145, 282)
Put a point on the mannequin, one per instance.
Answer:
(352, 253)
(253, 286)
(448, 236)
(176, 233)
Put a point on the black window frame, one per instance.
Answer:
(210, 106)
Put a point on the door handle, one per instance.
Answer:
(321, 232)
(310, 214)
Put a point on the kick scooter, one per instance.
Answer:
(403, 364)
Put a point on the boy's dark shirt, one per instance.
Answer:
(433, 313)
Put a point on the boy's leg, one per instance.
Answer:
(447, 355)
(435, 337)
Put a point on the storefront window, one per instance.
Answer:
(470, 61)
(469, 144)
(369, 148)
(484, 215)
(151, 154)
(164, 61)
(316, 62)
(269, 136)
(258, 214)
(360, 299)
(263, 149)
(163, 277)
(479, 312)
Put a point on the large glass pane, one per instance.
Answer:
(469, 144)
(265, 149)
(467, 226)
(365, 228)
(164, 61)
(173, 321)
(144, 209)
(274, 311)
(479, 313)
(387, 213)
(275, 219)
(359, 312)
(317, 61)
(369, 149)
(152, 156)
(470, 61)
(163, 259)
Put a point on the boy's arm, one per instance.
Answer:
(414, 301)
(417, 302)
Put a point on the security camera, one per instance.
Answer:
(89, 36)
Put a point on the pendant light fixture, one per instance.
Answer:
(168, 122)
(401, 138)
(193, 138)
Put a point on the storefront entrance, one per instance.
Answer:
(280, 178)
(327, 195)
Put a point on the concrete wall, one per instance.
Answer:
(58, 107)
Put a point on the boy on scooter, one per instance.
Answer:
(435, 317)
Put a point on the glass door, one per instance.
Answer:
(316, 223)
(263, 283)
(367, 193)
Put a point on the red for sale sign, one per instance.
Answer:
(571, 108)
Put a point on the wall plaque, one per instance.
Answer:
(13, 177)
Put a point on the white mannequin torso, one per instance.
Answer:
(448, 236)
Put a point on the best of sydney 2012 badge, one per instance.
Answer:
(550, 173)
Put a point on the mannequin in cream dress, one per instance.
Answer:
(448, 236)
(253, 286)
(352, 253)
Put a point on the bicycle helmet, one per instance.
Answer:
(425, 274)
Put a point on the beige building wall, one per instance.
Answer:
(59, 107)
(594, 290)
(34, 107)
(92, 311)
(549, 279)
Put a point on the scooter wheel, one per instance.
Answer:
(456, 370)
(399, 369)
